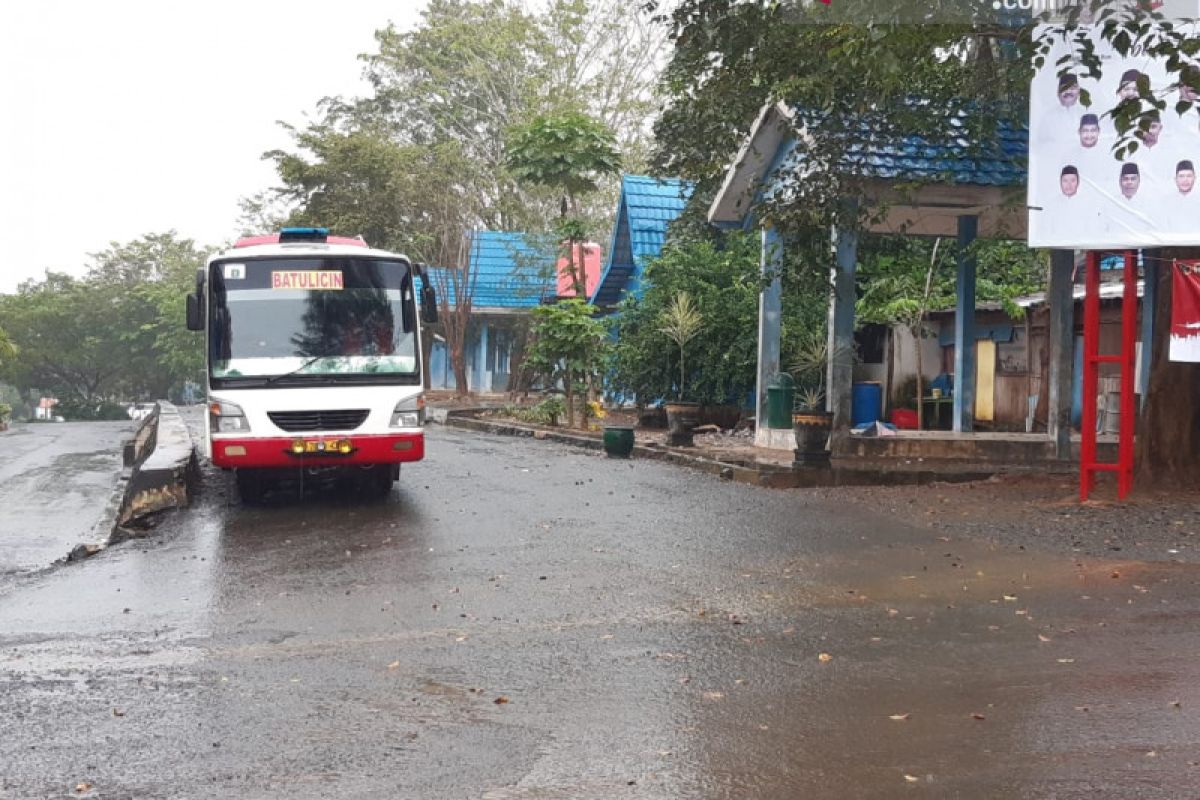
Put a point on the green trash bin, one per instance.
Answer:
(781, 394)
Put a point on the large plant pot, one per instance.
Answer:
(618, 441)
(811, 430)
(682, 419)
(723, 416)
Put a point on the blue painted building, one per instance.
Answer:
(645, 209)
(512, 273)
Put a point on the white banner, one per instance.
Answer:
(1080, 195)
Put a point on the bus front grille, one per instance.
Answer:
(305, 421)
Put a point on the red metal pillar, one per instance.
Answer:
(1129, 323)
(1091, 353)
(1092, 359)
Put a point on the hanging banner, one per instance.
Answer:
(1080, 195)
(1185, 311)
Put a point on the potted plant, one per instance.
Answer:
(5, 416)
(811, 423)
(680, 323)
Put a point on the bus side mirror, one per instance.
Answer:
(195, 305)
(195, 313)
(429, 309)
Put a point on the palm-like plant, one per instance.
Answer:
(680, 323)
(812, 359)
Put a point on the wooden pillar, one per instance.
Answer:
(1061, 339)
(770, 304)
(964, 328)
(841, 332)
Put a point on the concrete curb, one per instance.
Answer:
(161, 472)
(764, 475)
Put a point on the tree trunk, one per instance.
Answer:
(568, 385)
(458, 362)
(1167, 452)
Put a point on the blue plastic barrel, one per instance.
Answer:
(866, 403)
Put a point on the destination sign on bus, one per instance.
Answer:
(320, 280)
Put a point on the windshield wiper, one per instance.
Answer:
(300, 368)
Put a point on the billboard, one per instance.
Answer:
(1082, 197)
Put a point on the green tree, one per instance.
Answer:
(8, 350)
(115, 334)
(568, 345)
(568, 151)
(723, 281)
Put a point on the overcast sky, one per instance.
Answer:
(126, 117)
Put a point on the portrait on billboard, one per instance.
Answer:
(1081, 196)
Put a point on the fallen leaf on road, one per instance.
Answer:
(824, 657)
(978, 716)
(82, 786)
(1176, 704)
(501, 700)
(1042, 638)
(899, 717)
(394, 665)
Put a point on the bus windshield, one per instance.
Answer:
(311, 319)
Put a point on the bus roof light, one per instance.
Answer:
(303, 235)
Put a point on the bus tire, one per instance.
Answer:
(251, 486)
(382, 478)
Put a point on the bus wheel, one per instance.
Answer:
(251, 486)
(381, 478)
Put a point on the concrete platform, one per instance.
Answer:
(1033, 451)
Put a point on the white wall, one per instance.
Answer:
(904, 352)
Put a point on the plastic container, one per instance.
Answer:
(781, 395)
(866, 403)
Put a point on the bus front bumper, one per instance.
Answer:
(317, 451)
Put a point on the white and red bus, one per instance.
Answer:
(314, 359)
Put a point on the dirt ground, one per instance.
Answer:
(1044, 512)
(1017, 510)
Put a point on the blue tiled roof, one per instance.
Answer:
(646, 207)
(950, 158)
(511, 271)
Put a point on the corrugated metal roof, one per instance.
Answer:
(511, 271)
(646, 207)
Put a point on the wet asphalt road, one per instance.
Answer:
(521, 620)
(56, 481)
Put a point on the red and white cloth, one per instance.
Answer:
(1185, 311)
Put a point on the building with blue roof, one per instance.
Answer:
(913, 185)
(511, 274)
(646, 207)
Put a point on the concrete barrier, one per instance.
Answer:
(161, 471)
(165, 470)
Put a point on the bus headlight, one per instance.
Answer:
(409, 412)
(226, 417)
